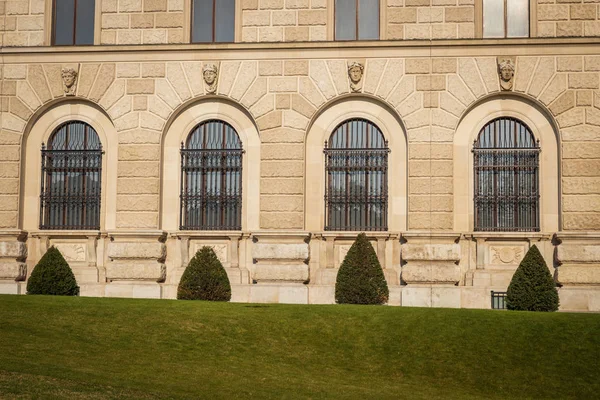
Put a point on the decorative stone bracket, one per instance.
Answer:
(430, 260)
(283, 261)
(13, 252)
(136, 257)
(578, 257)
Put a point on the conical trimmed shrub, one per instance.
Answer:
(204, 278)
(532, 287)
(52, 276)
(360, 279)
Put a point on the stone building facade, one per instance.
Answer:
(430, 84)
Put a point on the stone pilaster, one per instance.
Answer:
(13, 252)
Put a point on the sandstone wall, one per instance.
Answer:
(430, 19)
(284, 20)
(568, 18)
(22, 23)
(142, 22)
(429, 95)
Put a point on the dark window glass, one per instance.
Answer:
(356, 19)
(213, 21)
(74, 22)
(71, 178)
(84, 32)
(506, 165)
(356, 162)
(225, 20)
(211, 178)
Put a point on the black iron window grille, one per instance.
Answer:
(211, 178)
(356, 165)
(506, 168)
(498, 300)
(71, 178)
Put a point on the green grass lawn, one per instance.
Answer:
(53, 347)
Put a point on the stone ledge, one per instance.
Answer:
(578, 275)
(432, 273)
(134, 250)
(275, 273)
(13, 249)
(142, 271)
(578, 253)
(14, 271)
(280, 251)
(430, 252)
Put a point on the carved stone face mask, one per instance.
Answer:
(355, 74)
(69, 79)
(506, 73)
(210, 77)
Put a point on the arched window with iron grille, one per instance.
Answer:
(356, 165)
(211, 178)
(506, 168)
(71, 178)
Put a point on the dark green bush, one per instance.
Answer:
(52, 276)
(360, 279)
(204, 278)
(532, 287)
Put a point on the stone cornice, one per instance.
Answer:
(258, 51)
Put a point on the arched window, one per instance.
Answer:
(356, 190)
(211, 178)
(506, 164)
(71, 178)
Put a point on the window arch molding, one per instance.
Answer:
(40, 132)
(319, 131)
(178, 131)
(542, 128)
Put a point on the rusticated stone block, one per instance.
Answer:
(431, 251)
(133, 250)
(151, 271)
(578, 253)
(288, 273)
(579, 275)
(280, 251)
(442, 273)
(15, 249)
(13, 271)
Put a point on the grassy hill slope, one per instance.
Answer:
(90, 348)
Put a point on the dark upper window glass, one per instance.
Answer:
(505, 18)
(506, 165)
(356, 162)
(71, 178)
(213, 21)
(73, 22)
(211, 178)
(356, 19)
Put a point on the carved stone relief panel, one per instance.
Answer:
(342, 252)
(221, 250)
(72, 252)
(506, 255)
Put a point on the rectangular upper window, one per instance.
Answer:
(73, 22)
(505, 18)
(213, 21)
(357, 19)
